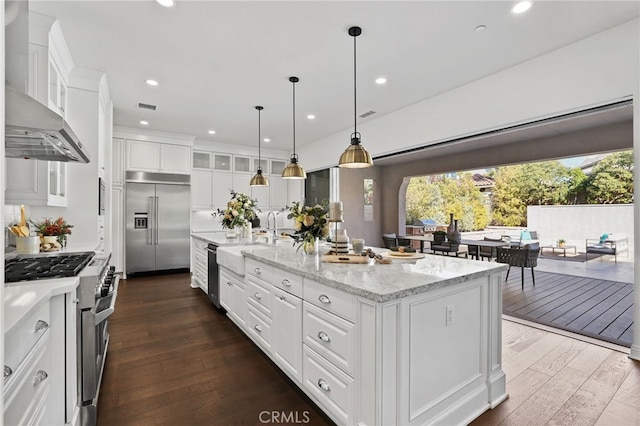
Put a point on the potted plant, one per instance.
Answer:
(561, 242)
(57, 229)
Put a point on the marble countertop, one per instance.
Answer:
(22, 297)
(221, 240)
(378, 282)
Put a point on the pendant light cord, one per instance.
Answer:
(355, 109)
(294, 118)
(259, 152)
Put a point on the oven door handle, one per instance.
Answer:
(106, 313)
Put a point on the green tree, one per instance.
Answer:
(611, 180)
(507, 209)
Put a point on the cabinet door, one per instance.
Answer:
(239, 302)
(175, 159)
(261, 195)
(117, 162)
(241, 164)
(241, 183)
(201, 160)
(277, 166)
(34, 182)
(201, 189)
(143, 156)
(287, 332)
(226, 291)
(295, 190)
(117, 228)
(278, 192)
(221, 186)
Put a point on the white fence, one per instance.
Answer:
(576, 223)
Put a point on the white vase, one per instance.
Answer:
(311, 247)
(246, 230)
(231, 232)
(342, 242)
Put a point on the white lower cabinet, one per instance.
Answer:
(379, 363)
(199, 264)
(40, 384)
(233, 296)
(287, 322)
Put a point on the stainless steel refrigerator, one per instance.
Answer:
(157, 222)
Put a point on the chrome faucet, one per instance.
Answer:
(275, 224)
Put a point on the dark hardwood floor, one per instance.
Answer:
(174, 360)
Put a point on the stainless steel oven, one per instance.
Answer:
(98, 291)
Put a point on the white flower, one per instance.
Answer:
(234, 212)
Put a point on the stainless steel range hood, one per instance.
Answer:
(31, 129)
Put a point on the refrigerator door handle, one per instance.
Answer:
(151, 225)
(155, 225)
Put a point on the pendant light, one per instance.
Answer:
(259, 179)
(293, 169)
(355, 156)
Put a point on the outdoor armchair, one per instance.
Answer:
(392, 240)
(523, 257)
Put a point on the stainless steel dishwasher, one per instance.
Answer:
(212, 275)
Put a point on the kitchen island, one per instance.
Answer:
(376, 344)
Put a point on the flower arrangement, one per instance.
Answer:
(59, 228)
(310, 223)
(240, 211)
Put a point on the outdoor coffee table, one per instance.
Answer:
(554, 248)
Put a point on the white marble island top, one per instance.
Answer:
(378, 282)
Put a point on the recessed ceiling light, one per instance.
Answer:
(144, 122)
(481, 28)
(166, 3)
(212, 132)
(266, 140)
(381, 80)
(151, 82)
(521, 7)
(311, 116)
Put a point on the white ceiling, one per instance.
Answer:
(216, 60)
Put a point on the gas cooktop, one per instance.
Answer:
(40, 267)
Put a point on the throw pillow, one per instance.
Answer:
(603, 238)
(525, 235)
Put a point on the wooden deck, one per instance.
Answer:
(591, 307)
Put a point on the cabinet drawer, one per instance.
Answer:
(287, 281)
(201, 259)
(21, 340)
(332, 388)
(329, 335)
(260, 295)
(259, 328)
(27, 388)
(260, 270)
(199, 245)
(329, 298)
(200, 277)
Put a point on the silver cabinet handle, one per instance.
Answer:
(324, 298)
(257, 296)
(324, 336)
(41, 325)
(258, 271)
(281, 297)
(7, 371)
(323, 385)
(286, 282)
(41, 376)
(229, 283)
(258, 328)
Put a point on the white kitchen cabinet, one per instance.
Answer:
(222, 183)
(241, 183)
(277, 166)
(295, 191)
(278, 190)
(117, 162)
(199, 264)
(36, 182)
(241, 164)
(57, 99)
(201, 189)
(233, 296)
(287, 326)
(117, 228)
(261, 195)
(158, 157)
(41, 357)
(264, 162)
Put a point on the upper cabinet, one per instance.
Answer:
(158, 157)
(117, 162)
